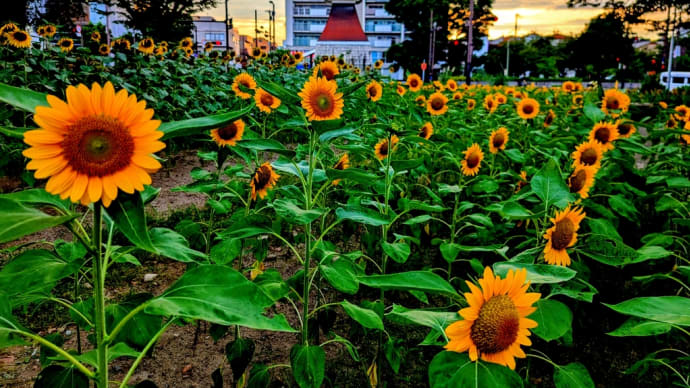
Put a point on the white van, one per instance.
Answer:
(678, 79)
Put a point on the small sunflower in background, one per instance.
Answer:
(471, 103)
(160, 50)
(208, 47)
(414, 82)
(548, 119)
(562, 235)
(298, 56)
(614, 102)
(589, 153)
(582, 179)
(437, 104)
(256, 53)
(420, 100)
(146, 46)
(682, 113)
(663, 105)
(229, 134)
(528, 108)
(383, 148)
(321, 100)
(103, 49)
(121, 45)
(327, 69)
(263, 180)
(426, 131)
(378, 64)
(41, 31)
(65, 44)
(457, 96)
(451, 85)
(186, 42)
(374, 91)
(341, 62)
(188, 52)
(495, 324)
(400, 90)
(498, 140)
(266, 101)
(522, 182)
(93, 144)
(490, 104)
(605, 134)
(241, 84)
(19, 39)
(500, 98)
(568, 86)
(342, 164)
(96, 36)
(577, 100)
(625, 129)
(472, 161)
(7, 28)
(50, 30)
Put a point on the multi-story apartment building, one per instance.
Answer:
(306, 20)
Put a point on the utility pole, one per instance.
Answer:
(227, 32)
(431, 41)
(468, 63)
(270, 36)
(507, 72)
(670, 50)
(256, 28)
(273, 21)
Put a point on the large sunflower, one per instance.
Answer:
(588, 154)
(426, 131)
(562, 235)
(437, 104)
(472, 161)
(19, 39)
(342, 164)
(382, 148)
(414, 82)
(548, 119)
(264, 179)
(328, 70)
(266, 101)
(490, 103)
(528, 108)
(66, 44)
(228, 135)
(498, 140)
(374, 91)
(146, 46)
(614, 102)
(241, 83)
(495, 324)
(625, 129)
(605, 134)
(321, 100)
(582, 179)
(93, 144)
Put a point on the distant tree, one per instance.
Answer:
(64, 12)
(539, 57)
(451, 21)
(16, 12)
(163, 19)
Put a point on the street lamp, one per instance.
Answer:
(227, 32)
(273, 20)
(508, 49)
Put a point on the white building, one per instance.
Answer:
(208, 29)
(306, 20)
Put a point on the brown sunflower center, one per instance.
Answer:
(490, 104)
(267, 99)
(548, 120)
(624, 129)
(578, 99)
(563, 234)
(65, 43)
(589, 157)
(147, 43)
(612, 103)
(228, 132)
(262, 177)
(20, 36)
(603, 135)
(323, 103)
(472, 160)
(437, 104)
(527, 109)
(497, 326)
(424, 132)
(413, 83)
(372, 91)
(499, 139)
(384, 148)
(577, 181)
(470, 104)
(98, 146)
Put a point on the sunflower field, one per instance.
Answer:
(353, 230)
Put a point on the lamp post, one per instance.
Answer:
(273, 20)
(470, 28)
(269, 29)
(508, 50)
(227, 32)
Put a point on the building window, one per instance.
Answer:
(215, 37)
(302, 10)
(306, 24)
(303, 40)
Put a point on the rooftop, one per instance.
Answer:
(343, 25)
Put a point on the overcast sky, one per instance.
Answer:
(541, 16)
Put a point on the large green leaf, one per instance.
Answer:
(362, 215)
(200, 124)
(353, 174)
(537, 273)
(397, 251)
(8, 325)
(573, 375)
(32, 275)
(127, 212)
(56, 376)
(290, 211)
(24, 99)
(424, 281)
(308, 365)
(549, 185)
(340, 272)
(239, 354)
(554, 319)
(607, 250)
(140, 328)
(670, 309)
(38, 197)
(218, 294)
(116, 351)
(437, 320)
(365, 317)
(455, 370)
(635, 327)
(173, 245)
(18, 220)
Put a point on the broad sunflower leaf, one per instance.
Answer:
(292, 213)
(362, 215)
(173, 245)
(339, 271)
(397, 251)
(455, 370)
(199, 125)
(365, 317)
(308, 365)
(537, 273)
(424, 281)
(636, 327)
(670, 309)
(437, 320)
(19, 220)
(38, 197)
(554, 319)
(266, 145)
(127, 212)
(24, 99)
(550, 187)
(573, 375)
(56, 376)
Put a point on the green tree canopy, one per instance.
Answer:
(163, 19)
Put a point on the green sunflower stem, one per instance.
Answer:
(307, 243)
(99, 298)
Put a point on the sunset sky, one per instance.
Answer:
(541, 16)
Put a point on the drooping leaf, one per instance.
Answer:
(127, 212)
(554, 319)
(573, 375)
(239, 354)
(455, 370)
(24, 99)
(397, 251)
(414, 280)
(670, 309)
(56, 376)
(293, 213)
(365, 317)
(340, 273)
(174, 246)
(537, 273)
(362, 215)
(308, 365)
(550, 186)
(19, 220)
